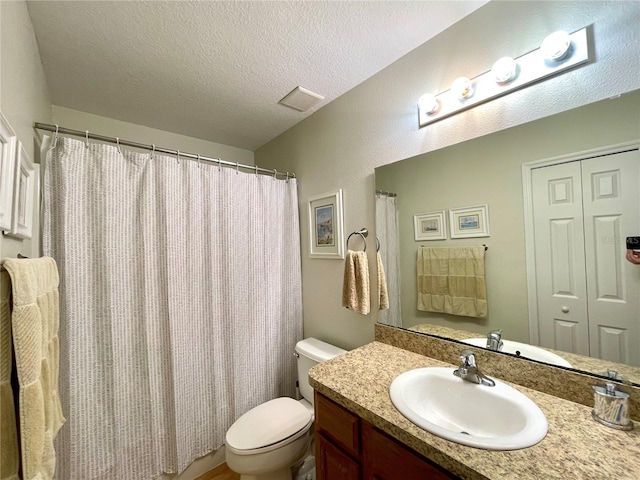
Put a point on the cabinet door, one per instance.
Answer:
(332, 463)
(383, 458)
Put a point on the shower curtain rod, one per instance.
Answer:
(92, 136)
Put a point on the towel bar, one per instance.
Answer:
(363, 232)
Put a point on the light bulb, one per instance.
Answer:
(428, 104)
(504, 70)
(462, 88)
(556, 46)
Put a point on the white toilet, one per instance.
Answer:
(265, 442)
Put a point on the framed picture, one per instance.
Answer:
(430, 226)
(24, 192)
(7, 172)
(326, 225)
(468, 222)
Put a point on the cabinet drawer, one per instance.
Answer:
(340, 425)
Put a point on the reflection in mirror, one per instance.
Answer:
(489, 171)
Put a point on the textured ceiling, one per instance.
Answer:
(216, 70)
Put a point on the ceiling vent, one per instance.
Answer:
(300, 99)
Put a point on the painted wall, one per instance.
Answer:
(24, 98)
(375, 123)
(488, 170)
(77, 120)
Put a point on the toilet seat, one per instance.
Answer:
(269, 426)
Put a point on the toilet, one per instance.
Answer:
(265, 442)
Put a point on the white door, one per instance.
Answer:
(588, 294)
(611, 198)
(560, 261)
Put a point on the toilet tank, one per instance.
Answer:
(310, 352)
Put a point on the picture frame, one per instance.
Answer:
(25, 186)
(8, 141)
(430, 226)
(469, 222)
(326, 229)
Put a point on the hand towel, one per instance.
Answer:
(452, 280)
(355, 287)
(9, 453)
(34, 323)
(383, 297)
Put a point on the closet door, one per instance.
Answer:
(560, 258)
(611, 199)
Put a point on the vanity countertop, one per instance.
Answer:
(576, 447)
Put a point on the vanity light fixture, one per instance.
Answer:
(462, 88)
(428, 104)
(504, 70)
(558, 53)
(556, 46)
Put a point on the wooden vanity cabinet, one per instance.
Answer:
(350, 448)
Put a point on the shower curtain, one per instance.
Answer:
(387, 231)
(180, 302)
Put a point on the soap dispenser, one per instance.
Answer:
(611, 406)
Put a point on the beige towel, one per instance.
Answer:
(34, 322)
(355, 289)
(383, 297)
(9, 454)
(451, 280)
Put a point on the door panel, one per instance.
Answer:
(611, 213)
(560, 262)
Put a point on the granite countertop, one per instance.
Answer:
(575, 446)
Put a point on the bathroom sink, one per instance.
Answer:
(493, 418)
(523, 350)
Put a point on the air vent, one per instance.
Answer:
(300, 99)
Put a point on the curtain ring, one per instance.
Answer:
(55, 139)
(118, 144)
(275, 172)
(256, 170)
(153, 150)
(287, 179)
(198, 160)
(219, 164)
(178, 157)
(237, 165)
(86, 139)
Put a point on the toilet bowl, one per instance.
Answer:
(265, 442)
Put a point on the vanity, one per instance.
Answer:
(361, 435)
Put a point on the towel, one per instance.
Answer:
(34, 323)
(452, 280)
(355, 287)
(383, 297)
(9, 454)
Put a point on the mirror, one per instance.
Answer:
(488, 171)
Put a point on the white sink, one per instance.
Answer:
(524, 349)
(494, 418)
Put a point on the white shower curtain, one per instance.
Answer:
(387, 232)
(180, 304)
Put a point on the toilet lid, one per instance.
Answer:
(268, 423)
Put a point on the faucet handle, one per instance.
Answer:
(468, 358)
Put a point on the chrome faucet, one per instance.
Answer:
(494, 340)
(469, 370)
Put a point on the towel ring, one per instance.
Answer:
(377, 244)
(363, 232)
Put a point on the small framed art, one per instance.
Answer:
(430, 226)
(326, 232)
(469, 222)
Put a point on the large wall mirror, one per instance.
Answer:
(415, 197)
